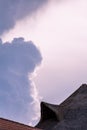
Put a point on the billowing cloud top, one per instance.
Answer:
(19, 55)
(18, 60)
(13, 10)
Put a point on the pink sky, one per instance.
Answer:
(59, 29)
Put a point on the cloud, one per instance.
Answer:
(13, 10)
(61, 32)
(18, 61)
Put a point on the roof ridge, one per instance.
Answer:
(73, 94)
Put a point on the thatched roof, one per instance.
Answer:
(69, 115)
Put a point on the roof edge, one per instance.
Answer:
(17, 123)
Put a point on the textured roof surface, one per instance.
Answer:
(69, 115)
(11, 125)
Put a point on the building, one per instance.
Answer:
(12, 125)
(69, 115)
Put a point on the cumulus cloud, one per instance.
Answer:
(13, 10)
(18, 60)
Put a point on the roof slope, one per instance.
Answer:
(11, 125)
(69, 115)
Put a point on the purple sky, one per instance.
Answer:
(59, 30)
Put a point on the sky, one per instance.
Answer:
(55, 32)
(18, 60)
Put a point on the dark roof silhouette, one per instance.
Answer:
(12, 125)
(69, 115)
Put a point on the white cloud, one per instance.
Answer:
(18, 60)
(61, 32)
(12, 11)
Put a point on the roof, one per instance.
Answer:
(11, 125)
(70, 114)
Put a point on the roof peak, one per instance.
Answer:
(84, 85)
